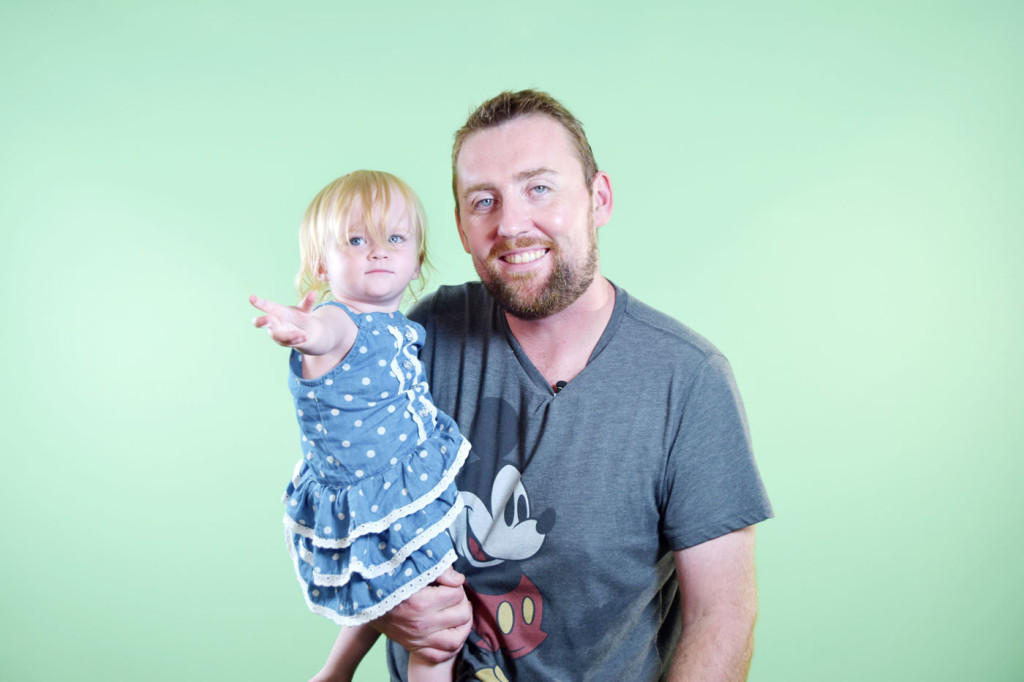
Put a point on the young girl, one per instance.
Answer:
(372, 496)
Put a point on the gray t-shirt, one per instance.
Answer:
(576, 500)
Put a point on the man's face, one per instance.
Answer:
(526, 216)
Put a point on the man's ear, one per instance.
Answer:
(602, 199)
(462, 234)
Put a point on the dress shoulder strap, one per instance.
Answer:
(351, 313)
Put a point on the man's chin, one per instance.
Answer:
(527, 303)
(513, 297)
(535, 295)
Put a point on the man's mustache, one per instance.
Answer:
(506, 245)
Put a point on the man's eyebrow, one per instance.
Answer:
(476, 188)
(519, 177)
(526, 175)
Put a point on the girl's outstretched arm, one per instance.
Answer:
(325, 335)
(348, 650)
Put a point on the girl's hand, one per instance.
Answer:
(288, 325)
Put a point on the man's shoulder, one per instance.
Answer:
(662, 327)
(471, 293)
(453, 305)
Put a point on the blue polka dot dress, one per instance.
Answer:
(372, 497)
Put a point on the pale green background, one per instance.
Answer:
(833, 195)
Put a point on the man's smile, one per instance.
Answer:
(524, 256)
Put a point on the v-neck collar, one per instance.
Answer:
(531, 370)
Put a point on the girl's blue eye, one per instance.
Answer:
(396, 239)
(356, 241)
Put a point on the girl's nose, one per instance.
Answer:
(378, 251)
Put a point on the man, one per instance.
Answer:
(611, 490)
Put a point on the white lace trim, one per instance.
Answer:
(396, 369)
(417, 542)
(358, 567)
(304, 553)
(379, 525)
(380, 608)
(296, 475)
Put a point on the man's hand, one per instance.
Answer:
(434, 622)
(287, 325)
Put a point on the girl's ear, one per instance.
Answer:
(321, 273)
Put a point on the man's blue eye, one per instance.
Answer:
(540, 189)
(485, 203)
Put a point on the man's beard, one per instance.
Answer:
(565, 284)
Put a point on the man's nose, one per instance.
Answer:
(514, 219)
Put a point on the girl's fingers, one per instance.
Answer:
(267, 321)
(306, 304)
(288, 338)
(265, 305)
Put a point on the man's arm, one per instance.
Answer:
(719, 601)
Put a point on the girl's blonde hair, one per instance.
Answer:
(329, 218)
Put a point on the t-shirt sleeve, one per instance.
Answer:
(712, 485)
(422, 313)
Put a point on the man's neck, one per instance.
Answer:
(560, 345)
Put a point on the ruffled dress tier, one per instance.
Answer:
(371, 499)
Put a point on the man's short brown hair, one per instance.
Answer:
(510, 105)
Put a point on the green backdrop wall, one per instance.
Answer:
(832, 194)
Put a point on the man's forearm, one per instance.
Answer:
(715, 647)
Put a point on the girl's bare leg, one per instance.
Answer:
(352, 644)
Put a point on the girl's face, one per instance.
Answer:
(371, 276)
